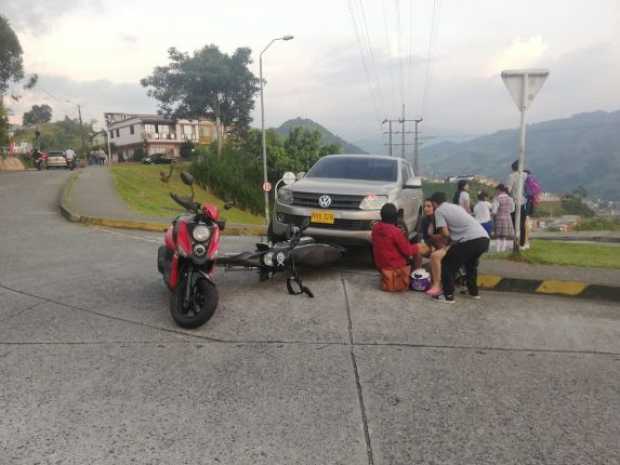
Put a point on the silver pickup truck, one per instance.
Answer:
(342, 196)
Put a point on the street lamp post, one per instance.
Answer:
(262, 124)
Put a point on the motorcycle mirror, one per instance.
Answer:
(300, 175)
(289, 178)
(187, 178)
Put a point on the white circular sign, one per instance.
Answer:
(267, 187)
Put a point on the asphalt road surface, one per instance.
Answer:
(94, 371)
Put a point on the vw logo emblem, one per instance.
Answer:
(325, 201)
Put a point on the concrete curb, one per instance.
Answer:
(70, 214)
(575, 289)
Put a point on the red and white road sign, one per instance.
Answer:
(267, 187)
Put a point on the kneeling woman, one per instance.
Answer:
(392, 251)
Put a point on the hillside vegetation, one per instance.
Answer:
(583, 150)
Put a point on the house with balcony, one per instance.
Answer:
(155, 134)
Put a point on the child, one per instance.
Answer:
(503, 206)
(438, 245)
(392, 251)
(482, 212)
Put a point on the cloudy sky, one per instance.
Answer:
(352, 62)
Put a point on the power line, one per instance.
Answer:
(364, 64)
(389, 48)
(371, 52)
(432, 36)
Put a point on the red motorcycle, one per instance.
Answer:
(187, 260)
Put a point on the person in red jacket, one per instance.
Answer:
(392, 251)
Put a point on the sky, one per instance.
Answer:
(351, 64)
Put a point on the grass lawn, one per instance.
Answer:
(567, 253)
(140, 186)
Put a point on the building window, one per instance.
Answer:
(150, 128)
(131, 129)
(112, 134)
(118, 133)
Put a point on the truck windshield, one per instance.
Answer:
(358, 168)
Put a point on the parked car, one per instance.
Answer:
(56, 159)
(342, 195)
(157, 159)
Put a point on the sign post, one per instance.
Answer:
(523, 85)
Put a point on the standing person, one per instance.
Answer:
(70, 157)
(392, 251)
(482, 212)
(512, 183)
(469, 242)
(461, 196)
(503, 208)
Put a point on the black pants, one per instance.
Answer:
(463, 253)
(524, 215)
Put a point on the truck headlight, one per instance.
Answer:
(285, 196)
(268, 259)
(201, 233)
(373, 202)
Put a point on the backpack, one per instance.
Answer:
(533, 190)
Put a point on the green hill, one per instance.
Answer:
(327, 137)
(583, 150)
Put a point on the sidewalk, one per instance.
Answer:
(90, 197)
(94, 195)
(586, 236)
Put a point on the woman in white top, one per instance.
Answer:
(461, 196)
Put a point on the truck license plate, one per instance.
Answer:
(323, 217)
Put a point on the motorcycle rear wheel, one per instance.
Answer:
(203, 302)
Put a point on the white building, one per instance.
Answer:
(155, 134)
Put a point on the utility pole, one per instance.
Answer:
(389, 133)
(402, 132)
(81, 130)
(416, 149)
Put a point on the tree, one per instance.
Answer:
(207, 84)
(11, 64)
(38, 115)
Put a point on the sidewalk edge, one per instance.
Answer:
(69, 212)
(574, 289)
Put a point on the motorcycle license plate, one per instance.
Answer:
(323, 217)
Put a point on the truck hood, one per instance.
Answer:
(342, 186)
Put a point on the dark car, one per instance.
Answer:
(157, 159)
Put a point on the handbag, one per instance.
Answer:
(396, 279)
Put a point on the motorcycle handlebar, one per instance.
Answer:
(187, 204)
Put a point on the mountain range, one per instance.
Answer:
(583, 150)
(327, 137)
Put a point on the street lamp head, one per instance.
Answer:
(287, 37)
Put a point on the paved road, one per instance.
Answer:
(92, 369)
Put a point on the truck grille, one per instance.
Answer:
(339, 201)
(348, 225)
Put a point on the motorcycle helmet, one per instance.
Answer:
(420, 280)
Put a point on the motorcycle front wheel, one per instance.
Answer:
(200, 307)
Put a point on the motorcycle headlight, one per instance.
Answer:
(285, 196)
(268, 259)
(201, 233)
(373, 202)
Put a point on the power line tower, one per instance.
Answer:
(403, 132)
